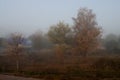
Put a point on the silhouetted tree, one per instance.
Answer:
(36, 39)
(40, 41)
(111, 43)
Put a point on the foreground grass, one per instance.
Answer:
(76, 75)
(84, 69)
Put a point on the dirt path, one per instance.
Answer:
(7, 77)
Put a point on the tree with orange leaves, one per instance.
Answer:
(87, 32)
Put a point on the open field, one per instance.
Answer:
(89, 68)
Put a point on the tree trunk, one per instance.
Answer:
(17, 65)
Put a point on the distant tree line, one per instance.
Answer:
(111, 43)
(80, 39)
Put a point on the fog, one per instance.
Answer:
(28, 16)
(60, 39)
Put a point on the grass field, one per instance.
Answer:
(89, 68)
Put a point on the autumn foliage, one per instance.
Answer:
(87, 32)
(61, 52)
(83, 37)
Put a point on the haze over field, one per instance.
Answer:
(60, 39)
(28, 16)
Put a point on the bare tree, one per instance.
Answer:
(15, 46)
(87, 32)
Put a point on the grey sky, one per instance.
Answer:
(28, 16)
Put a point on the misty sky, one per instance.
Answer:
(28, 16)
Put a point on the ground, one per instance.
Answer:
(7, 77)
